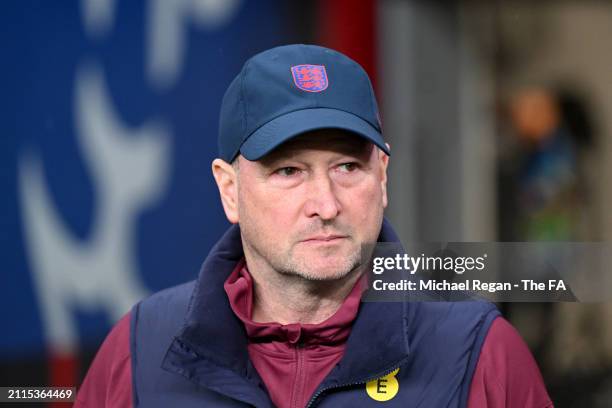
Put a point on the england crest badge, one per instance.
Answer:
(310, 78)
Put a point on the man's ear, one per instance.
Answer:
(227, 182)
(384, 163)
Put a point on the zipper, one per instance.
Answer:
(352, 384)
(300, 376)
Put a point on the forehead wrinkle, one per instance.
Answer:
(339, 142)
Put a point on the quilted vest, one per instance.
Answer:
(188, 349)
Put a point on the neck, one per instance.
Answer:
(289, 299)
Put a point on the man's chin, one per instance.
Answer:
(322, 270)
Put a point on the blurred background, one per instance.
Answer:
(499, 115)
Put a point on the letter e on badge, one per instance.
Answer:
(383, 388)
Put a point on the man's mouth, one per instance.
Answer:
(324, 238)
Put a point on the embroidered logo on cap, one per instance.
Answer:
(310, 78)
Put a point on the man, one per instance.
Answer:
(275, 317)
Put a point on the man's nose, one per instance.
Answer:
(322, 200)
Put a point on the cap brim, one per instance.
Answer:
(285, 127)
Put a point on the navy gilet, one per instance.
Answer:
(188, 349)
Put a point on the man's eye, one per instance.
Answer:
(287, 171)
(348, 167)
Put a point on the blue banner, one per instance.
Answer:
(109, 128)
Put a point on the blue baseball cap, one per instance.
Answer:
(289, 90)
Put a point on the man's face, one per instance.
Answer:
(307, 207)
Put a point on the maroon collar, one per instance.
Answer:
(334, 330)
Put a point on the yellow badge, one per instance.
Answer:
(383, 388)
